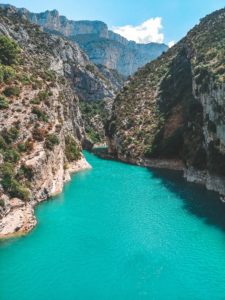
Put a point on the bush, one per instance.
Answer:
(22, 147)
(49, 75)
(40, 114)
(25, 171)
(7, 74)
(7, 169)
(4, 103)
(43, 95)
(72, 150)
(12, 91)
(10, 135)
(9, 51)
(25, 79)
(50, 141)
(11, 185)
(18, 190)
(35, 101)
(3, 144)
(94, 136)
(11, 155)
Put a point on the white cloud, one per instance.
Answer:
(147, 32)
(171, 44)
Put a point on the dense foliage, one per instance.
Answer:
(9, 51)
(72, 150)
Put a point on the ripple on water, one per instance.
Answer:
(120, 232)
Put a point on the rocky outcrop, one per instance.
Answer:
(173, 108)
(102, 46)
(41, 129)
(126, 57)
(88, 81)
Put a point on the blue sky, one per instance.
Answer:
(176, 16)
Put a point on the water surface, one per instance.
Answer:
(120, 232)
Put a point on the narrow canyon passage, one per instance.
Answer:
(120, 232)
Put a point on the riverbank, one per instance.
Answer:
(20, 219)
(212, 182)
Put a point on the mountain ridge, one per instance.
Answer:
(102, 45)
(173, 108)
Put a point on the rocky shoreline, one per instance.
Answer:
(211, 182)
(20, 219)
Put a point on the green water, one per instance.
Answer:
(120, 232)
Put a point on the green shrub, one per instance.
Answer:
(22, 147)
(94, 136)
(35, 101)
(11, 185)
(40, 114)
(7, 169)
(43, 95)
(11, 155)
(72, 150)
(50, 141)
(49, 75)
(19, 191)
(4, 103)
(25, 79)
(10, 135)
(7, 74)
(25, 171)
(9, 51)
(3, 144)
(12, 91)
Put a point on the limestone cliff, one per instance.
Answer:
(41, 129)
(102, 45)
(173, 108)
(88, 81)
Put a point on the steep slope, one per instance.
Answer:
(102, 46)
(89, 83)
(118, 53)
(41, 130)
(174, 107)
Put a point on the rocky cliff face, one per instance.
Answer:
(173, 108)
(102, 46)
(88, 81)
(41, 130)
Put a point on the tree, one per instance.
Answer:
(9, 51)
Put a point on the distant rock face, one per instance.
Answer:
(88, 81)
(114, 52)
(174, 107)
(102, 46)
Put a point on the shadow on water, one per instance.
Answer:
(197, 200)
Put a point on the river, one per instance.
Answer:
(120, 232)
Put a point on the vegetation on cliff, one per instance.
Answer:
(174, 106)
(40, 128)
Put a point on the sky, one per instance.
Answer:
(144, 21)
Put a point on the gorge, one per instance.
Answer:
(129, 155)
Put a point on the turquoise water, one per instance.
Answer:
(120, 232)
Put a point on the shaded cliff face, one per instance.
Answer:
(41, 129)
(102, 46)
(174, 106)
